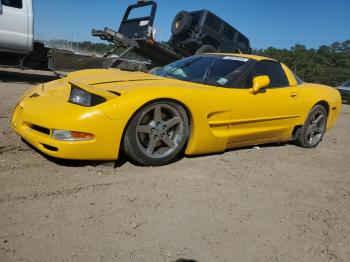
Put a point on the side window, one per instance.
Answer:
(197, 68)
(224, 71)
(12, 3)
(229, 32)
(270, 68)
(213, 22)
(140, 12)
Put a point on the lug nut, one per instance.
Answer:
(155, 137)
(152, 130)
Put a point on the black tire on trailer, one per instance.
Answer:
(206, 49)
(157, 133)
(182, 23)
(313, 130)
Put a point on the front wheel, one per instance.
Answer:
(157, 134)
(313, 130)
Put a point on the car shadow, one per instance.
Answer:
(77, 163)
(122, 160)
(257, 147)
(25, 77)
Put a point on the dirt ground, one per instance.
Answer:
(274, 203)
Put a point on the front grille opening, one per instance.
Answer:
(40, 129)
(51, 148)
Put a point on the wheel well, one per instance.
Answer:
(324, 104)
(188, 112)
(297, 128)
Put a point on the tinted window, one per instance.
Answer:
(190, 69)
(242, 43)
(219, 71)
(213, 22)
(140, 12)
(12, 3)
(270, 68)
(225, 70)
(196, 16)
(230, 32)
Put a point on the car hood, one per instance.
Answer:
(116, 81)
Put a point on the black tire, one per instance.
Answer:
(238, 51)
(137, 140)
(304, 137)
(182, 23)
(206, 49)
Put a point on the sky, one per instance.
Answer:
(277, 23)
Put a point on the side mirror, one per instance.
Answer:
(259, 82)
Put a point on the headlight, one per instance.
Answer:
(71, 135)
(81, 97)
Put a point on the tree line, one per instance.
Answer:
(328, 65)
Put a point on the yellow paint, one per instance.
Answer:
(220, 118)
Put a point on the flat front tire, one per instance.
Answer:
(156, 134)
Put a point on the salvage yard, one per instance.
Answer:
(271, 203)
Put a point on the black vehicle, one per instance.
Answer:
(192, 33)
(344, 90)
(202, 31)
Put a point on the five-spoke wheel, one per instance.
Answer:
(312, 132)
(157, 133)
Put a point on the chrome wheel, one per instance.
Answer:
(160, 130)
(312, 132)
(316, 128)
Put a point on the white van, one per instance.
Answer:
(16, 26)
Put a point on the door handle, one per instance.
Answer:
(293, 94)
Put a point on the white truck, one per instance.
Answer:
(16, 26)
(18, 48)
(17, 45)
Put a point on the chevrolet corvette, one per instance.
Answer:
(201, 104)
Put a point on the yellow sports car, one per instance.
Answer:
(201, 104)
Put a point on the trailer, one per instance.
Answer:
(136, 34)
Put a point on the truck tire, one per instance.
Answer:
(206, 49)
(182, 23)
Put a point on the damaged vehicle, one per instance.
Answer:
(198, 105)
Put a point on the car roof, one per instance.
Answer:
(254, 57)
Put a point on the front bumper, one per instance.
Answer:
(36, 128)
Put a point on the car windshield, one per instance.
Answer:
(205, 69)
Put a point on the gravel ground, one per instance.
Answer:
(275, 203)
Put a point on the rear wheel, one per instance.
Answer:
(313, 130)
(157, 134)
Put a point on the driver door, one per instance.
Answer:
(268, 116)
